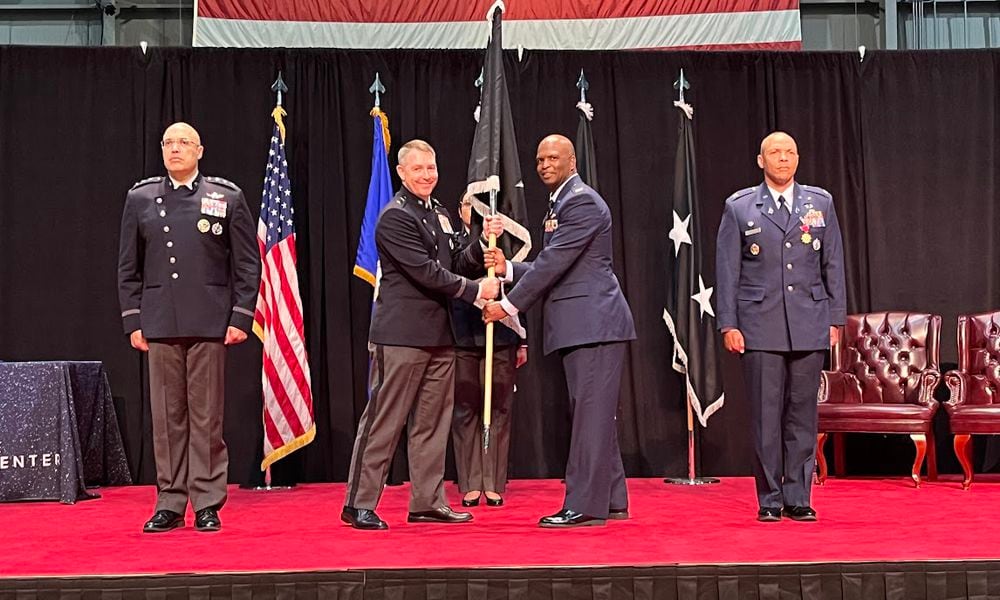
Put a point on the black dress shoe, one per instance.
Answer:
(207, 519)
(163, 520)
(569, 518)
(471, 503)
(494, 501)
(799, 513)
(618, 514)
(362, 518)
(769, 514)
(441, 514)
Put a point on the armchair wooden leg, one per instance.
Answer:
(920, 441)
(963, 450)
(932, 472)
(821, 458)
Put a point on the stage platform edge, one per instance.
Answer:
(813, 581)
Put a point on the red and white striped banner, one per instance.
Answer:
(530, 24)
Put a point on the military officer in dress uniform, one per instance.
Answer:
(780, 282)
(188, 275)
(588, 321)
(412, 371)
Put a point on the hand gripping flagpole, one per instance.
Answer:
(680, 85)
(279, 88)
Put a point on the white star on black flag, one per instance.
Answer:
(689, 313)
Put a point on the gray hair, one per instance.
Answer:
(413, 145)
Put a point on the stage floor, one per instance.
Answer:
(860, 520)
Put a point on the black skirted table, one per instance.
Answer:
(58, 431)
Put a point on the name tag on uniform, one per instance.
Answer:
(753, 231)
(551, 225)
(213, 208)
(445, 224)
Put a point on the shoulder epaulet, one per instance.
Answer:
(816, 190)
(147, 181)
(741, 193)
(223, 182)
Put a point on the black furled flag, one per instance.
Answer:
(586, 159)
(689, 313)
(493, 164)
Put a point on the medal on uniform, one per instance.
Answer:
(806, 236)
(217, 228)
(204, 225)
(551, 225)
(754, 249)
(816, 244)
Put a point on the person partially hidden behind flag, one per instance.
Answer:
(188, 275)
(780, 280)
(588, 320)
(412, 371)
(481, 472)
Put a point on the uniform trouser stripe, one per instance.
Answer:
(378, 375)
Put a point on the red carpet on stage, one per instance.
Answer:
(876, 520)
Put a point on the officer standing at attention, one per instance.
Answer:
(188, 276)
(780, 281)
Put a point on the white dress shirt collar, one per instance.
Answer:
(189, 184)
(786, 197)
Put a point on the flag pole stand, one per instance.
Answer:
(267, 487)
(690, 479)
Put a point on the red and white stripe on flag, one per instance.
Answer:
(532, 24)
(288, 405)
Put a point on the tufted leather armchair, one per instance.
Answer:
(884, 371)
(974, 405)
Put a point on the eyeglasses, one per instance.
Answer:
(183, 143)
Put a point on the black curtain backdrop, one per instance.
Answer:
(906, 142)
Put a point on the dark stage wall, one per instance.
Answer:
(906, 142)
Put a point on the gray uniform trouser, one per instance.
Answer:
(781, 388)
(187, 396)
(478, 470)
(405, 384)
(595, 477)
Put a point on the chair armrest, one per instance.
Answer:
(928, 379)
(958, 388)
(838, 387)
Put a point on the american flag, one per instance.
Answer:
(529, 24)
(288, 407)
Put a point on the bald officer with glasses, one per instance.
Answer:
(188, 275)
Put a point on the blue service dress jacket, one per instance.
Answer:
(583, 301)
(780, 282)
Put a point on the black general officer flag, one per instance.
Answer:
(493, 164)
(689, 314)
